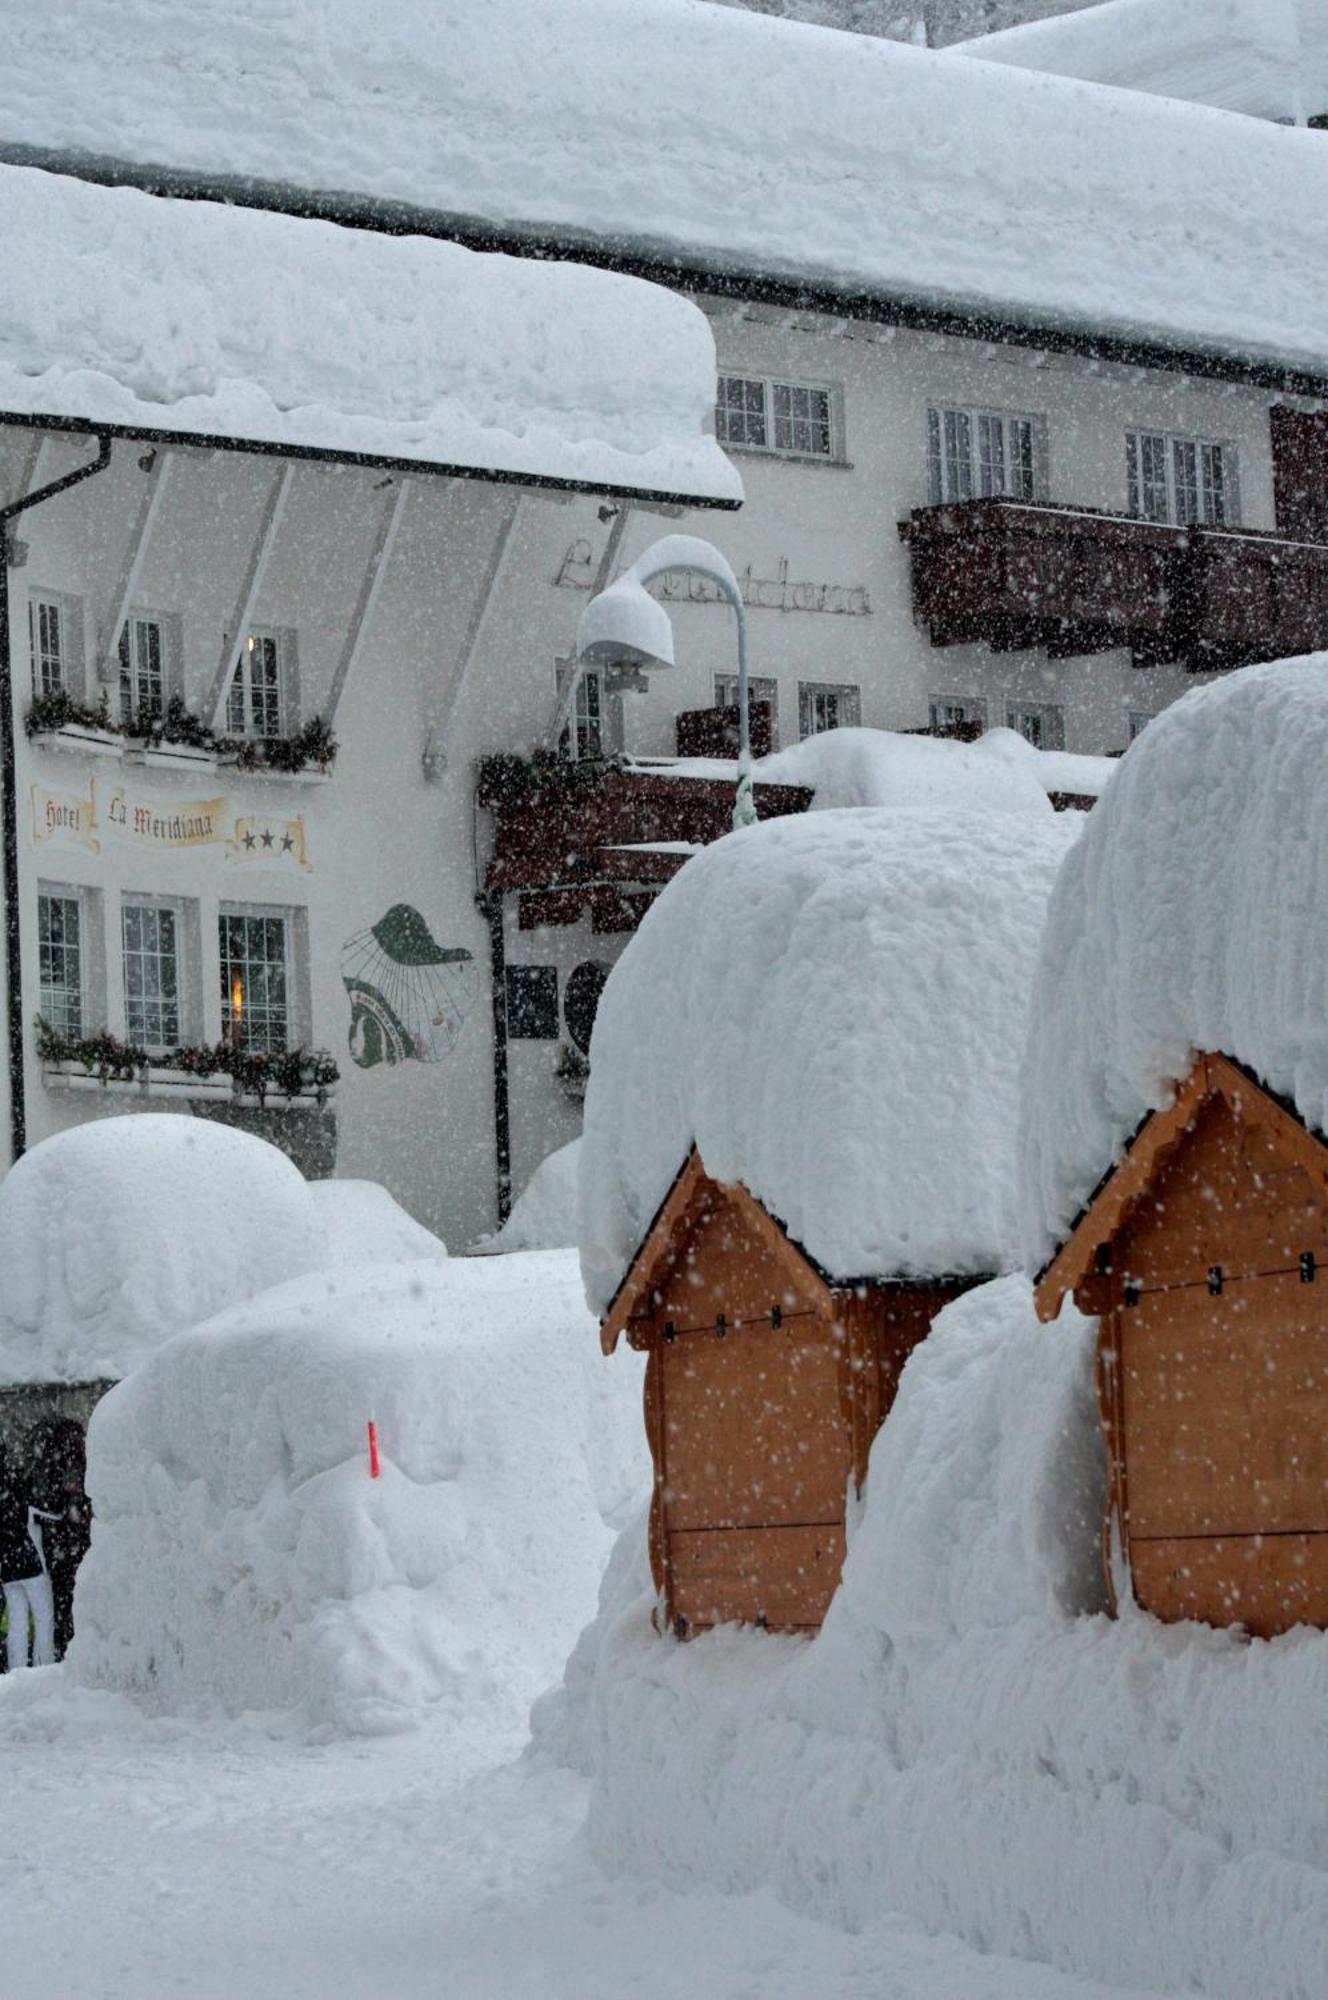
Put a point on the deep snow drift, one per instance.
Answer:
(544, 1213)
(121, 309)
(969, 1741)
(367, 1225)
(831, 1007)
(1192, 915)
(243, 1557)
(118, 1233)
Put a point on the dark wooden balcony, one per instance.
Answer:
(585, 839)
(1012, 575)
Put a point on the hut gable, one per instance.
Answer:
(1206, 1255)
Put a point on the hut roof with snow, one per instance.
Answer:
(1154, 224)
(216, 324)
(830, 1009)
(1191, 918)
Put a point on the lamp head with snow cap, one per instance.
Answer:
(625, 627)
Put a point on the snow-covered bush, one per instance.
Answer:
(116, 1234)
(243, 1557)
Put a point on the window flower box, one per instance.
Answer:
(300, 1079)
(166, 756)
(158, 1080)
(81, 739)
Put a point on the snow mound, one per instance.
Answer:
(831, 1007)
(365, 1225)
(242, 1556)
(544, 1215)
(121, 311)
(1193, 915)
(119, 1233)
(877, 767)
(967, 1742)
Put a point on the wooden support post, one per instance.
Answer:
(372, 583)
(131, 568)
(260, 555)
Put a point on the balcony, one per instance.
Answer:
(1011, 575)
(598, 840)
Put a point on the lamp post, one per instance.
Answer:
(624, 626)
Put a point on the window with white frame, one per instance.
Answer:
(822, 706)
(52, 633)
(1040, 723)
(153, 948)
(1179, 480)
(794, 419)
(956, 711)
(259, 703)
(980, 454)
(61, 958)
(758, 689)
(257, 977)
(142, 667)
(599, 718)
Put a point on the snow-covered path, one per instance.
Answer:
(169, 1859)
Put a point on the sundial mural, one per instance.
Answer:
(409, 996)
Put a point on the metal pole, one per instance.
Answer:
(744, 803)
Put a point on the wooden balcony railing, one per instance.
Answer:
(1011, 575)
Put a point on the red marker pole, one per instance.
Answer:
(373, 1449)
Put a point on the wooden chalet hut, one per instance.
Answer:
(1194, 916)
(804, 1078)
(1205, 1256)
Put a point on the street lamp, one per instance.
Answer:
(624, 626)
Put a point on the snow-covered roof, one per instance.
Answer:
(1265, 57)
(724, 141)
(1000, 772)
(1193, 915)
(831, 1007)
(201, 320)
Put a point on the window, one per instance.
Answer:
(1179, 480)
(726, 696)
(61, 959)
(978, 454)
(599, 719)
(822, 707)
(950, 711)
(51, 634)
(153, 944)
(256, 985)
(1040, 723)
(142, 675)
(532, 1002)
(796, 419)
(258, 704)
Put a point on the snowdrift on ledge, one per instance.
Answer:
(1193, 915)
(831, 1006)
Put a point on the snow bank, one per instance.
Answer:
(1265, 57)
(242, 1557)
(365, 1225)
(878, 767)
(845, 169)
(968, 1742)
(1193, 915)
(831, 1007)
(118, 1233)
(544, 1214)
(121, 309)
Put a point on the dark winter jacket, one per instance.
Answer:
(20, 1555)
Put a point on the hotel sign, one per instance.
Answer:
(82, 819)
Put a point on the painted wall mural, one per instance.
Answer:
(409, 996)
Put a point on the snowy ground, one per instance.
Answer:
(165, 1860)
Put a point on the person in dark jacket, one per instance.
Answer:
(27, 1587)
(66, 1536)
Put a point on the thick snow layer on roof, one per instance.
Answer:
(196, 318)
(1193, 915)
(1265, 57)
(831, 1007)
(366, 1225)
(243, 1557)
(117, 1234)
(1001, 772)
(733, 141)
(968, 1742)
